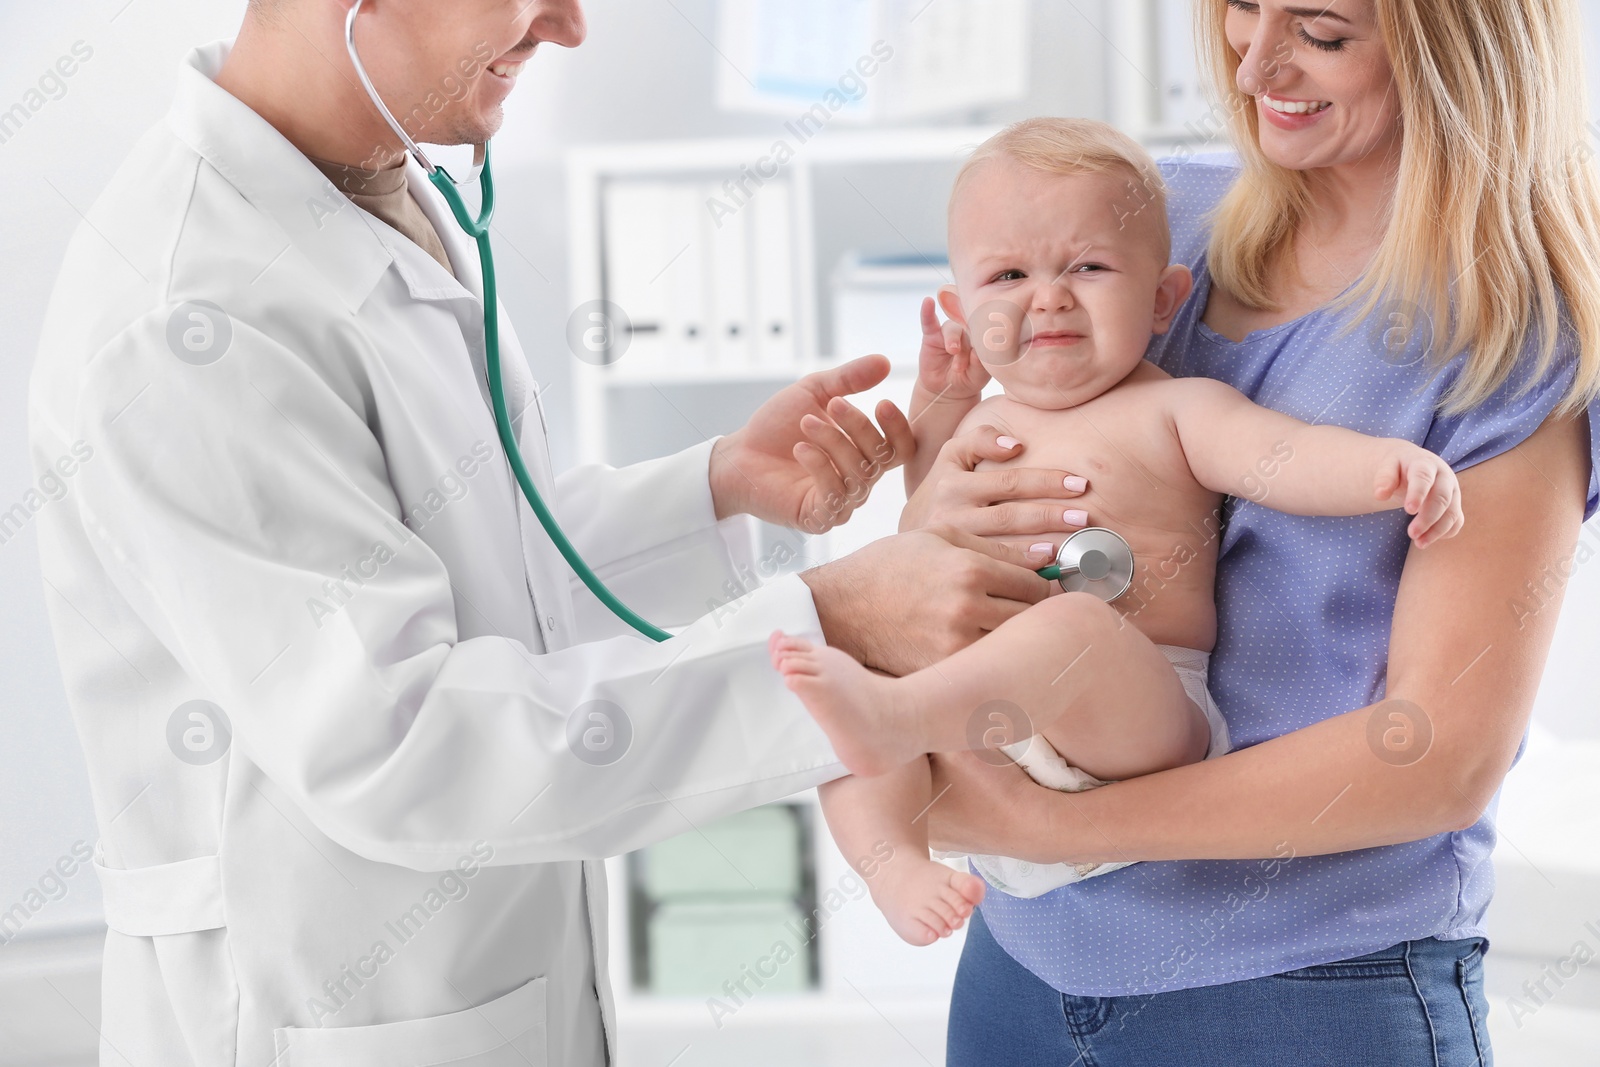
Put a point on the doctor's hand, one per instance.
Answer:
(1027, 504)
(808, 458)
(906, 601)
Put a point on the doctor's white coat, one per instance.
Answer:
(335, 687)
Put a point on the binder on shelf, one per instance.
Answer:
(683, 277)
(633, 236)
(728, 245)
(655, 272)
(776, 343)
(877, 301)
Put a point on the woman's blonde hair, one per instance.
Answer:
(1080, 146)
(1496, 197)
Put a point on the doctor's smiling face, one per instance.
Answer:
(1320, 77)
(445, 67)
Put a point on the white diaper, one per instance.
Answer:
(1046, 766)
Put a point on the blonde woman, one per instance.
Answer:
(1406, 243)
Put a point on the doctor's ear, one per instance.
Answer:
(950, 303)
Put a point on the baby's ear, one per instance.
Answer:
(1175, 286)
(950, 302)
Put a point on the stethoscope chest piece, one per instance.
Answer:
(1093, 560)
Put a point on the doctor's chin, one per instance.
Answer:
(881, 533)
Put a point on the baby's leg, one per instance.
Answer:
(880, 824)
(1070, 659)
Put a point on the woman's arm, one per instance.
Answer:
(1466, 653)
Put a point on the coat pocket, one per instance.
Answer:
(506, 1032)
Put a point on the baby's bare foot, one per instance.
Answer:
(923, 899)
(857, 709)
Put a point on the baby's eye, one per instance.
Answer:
(1082, 267)
(1009, 276)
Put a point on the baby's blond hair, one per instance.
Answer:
(1080, 146)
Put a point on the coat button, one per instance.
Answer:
(550, 622)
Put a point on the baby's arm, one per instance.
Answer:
(1240, 448)
(950, 380)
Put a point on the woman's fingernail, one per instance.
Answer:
(1076, 484)
(1007, 442)
(1075, 517)
(1042, 550)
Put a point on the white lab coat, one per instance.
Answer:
(396, 859)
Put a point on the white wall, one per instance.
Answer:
(50, 169)
(647, 72)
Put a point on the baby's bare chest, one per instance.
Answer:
(1139, 480)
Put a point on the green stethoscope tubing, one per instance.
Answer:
(478, 229)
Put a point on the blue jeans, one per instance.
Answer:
(1415, 1004)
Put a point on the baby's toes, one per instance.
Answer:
(947, 908)
(955, 906)
(970, 887)
(797, 664)
(935, 922)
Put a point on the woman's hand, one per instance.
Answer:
(1017, 503)
(987, 804)
(807, 458)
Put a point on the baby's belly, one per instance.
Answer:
(1172, 600)
(1172, 609)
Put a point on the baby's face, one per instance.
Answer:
(1060, 279)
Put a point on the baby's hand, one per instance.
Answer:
(1426, 487)
(946, 366)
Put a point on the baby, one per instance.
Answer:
(1059, 248)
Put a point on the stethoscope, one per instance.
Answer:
(1093, 560)
(478, 229)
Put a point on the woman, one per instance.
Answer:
(1412, 253)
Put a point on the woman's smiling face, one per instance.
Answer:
(1321, 79)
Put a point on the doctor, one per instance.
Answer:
(356, 739)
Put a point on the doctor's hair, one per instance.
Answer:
(1073, 146)
(1494, 229)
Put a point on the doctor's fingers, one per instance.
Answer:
(834, 502)
(888, 448)
(995, 568)
(839, 470)
(860, 460)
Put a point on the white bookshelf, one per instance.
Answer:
(588, 169)
(871, 984)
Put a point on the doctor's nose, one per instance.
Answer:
(559, 22)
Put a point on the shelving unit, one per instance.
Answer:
(865, 974)
(864, 977)
(589, 169)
